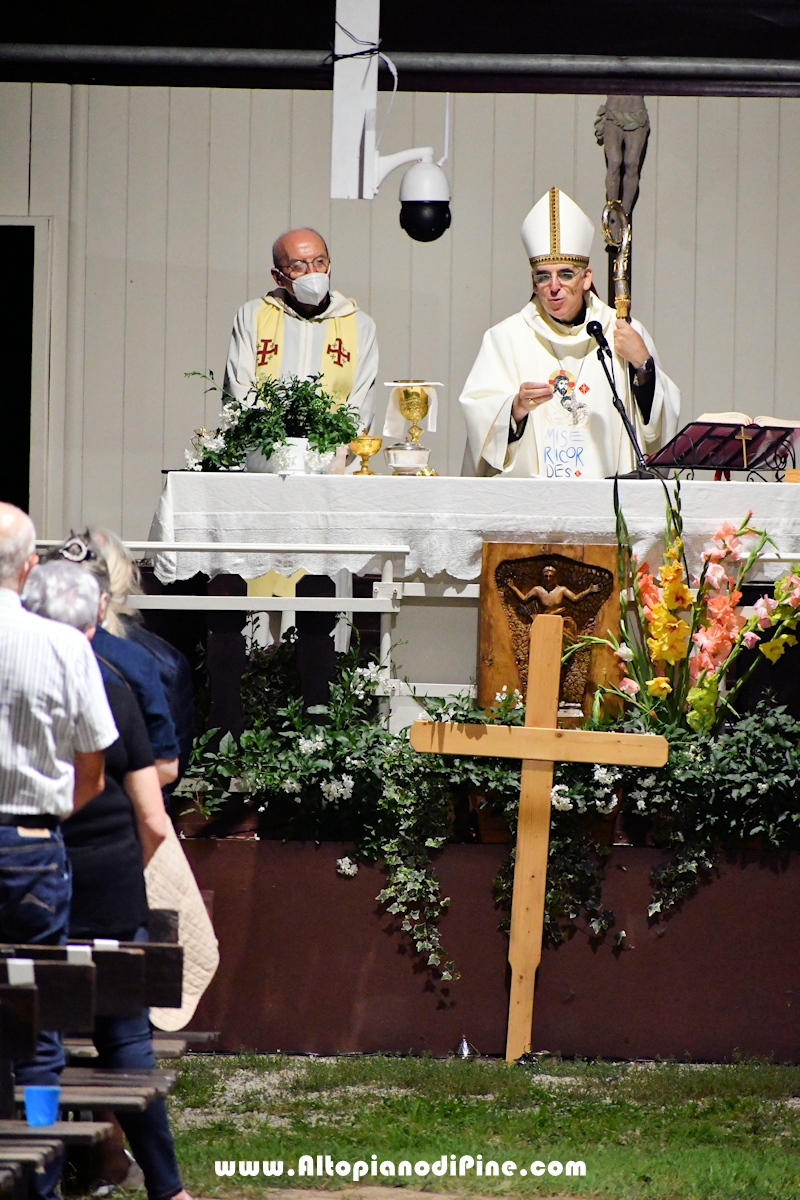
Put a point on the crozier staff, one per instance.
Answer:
(304, 328)
(537, 402)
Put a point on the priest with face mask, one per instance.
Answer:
(537, 402)
(304, 328)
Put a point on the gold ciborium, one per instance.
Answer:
(364, 446)
(413, 404)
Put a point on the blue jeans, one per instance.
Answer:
(35, 892)
(125, 1042)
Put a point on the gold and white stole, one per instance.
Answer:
(339, 351)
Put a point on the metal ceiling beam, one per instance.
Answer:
(601, 67)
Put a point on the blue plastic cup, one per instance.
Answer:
(41, 1104)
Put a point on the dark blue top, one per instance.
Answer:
(119, 657)
(176, 677)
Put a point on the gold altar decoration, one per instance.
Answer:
(364, 446)
(520, 582)
(411, 457)
(617, 232)
(413, 404)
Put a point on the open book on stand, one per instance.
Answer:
(731, 441)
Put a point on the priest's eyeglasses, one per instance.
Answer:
(302, 266)
(565, 275)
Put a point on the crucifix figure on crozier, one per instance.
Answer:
(521, 582)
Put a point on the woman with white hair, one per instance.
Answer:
(108, 843)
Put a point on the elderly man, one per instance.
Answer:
(537, 402)
(55, 724)
(303, 328)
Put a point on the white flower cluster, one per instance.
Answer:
(346, 867)
(283, 458)
(229, 417)
(641, 794)
(318, 461)
(604, 799)
(559, 797)
(502, 696)
(292, 786)
(206, 439)
(311, 745)
(337, 789)
(365, 680)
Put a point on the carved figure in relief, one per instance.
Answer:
(563, 587)
(551, 594)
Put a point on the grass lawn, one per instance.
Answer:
(660, 1131)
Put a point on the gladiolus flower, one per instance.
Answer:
(777, 646)
(629, 686)
(715, 576)
(658, 687)
(751, 639)
(764, 607)
(624, 653)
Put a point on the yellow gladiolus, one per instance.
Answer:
(658, 687)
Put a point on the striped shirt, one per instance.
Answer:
(52, 704)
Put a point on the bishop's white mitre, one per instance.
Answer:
(556, 230)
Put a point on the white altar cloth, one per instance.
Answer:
(443, 520)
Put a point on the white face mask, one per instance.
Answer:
(311, 288)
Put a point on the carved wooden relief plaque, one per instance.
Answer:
(519, 581)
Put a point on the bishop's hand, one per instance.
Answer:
(529, 396)
(630, 345)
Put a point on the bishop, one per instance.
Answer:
(537, 402)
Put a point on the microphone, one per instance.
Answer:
(595, 330)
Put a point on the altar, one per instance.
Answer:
(443, 521)
(422, 541)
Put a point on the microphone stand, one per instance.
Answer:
(642, 471)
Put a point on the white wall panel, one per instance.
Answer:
(15, 131)
(756, 255)
(713, 297)
(145, 306)
(49, 197)
(187, 188)
(228, 234)
(187, 270)
(106, 296)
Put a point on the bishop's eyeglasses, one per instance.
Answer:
(565, 275)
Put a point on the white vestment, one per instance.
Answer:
(303, 348)
(577, 434)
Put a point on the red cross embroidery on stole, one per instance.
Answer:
(338, 352)
(266, 348)
(584, 388)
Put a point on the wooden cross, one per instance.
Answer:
(539, 744)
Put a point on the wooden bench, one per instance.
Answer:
(62, 993)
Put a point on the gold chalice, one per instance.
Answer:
(413, 405)
(364, 446)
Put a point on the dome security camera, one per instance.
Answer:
(425, 202)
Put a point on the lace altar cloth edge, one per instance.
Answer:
(444, 520)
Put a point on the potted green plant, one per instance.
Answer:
(284, 426)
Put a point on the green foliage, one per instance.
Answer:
(271, 412)
(335, 773)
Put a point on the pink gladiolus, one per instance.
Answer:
(629, 686)
(729, 542)
(751, 639)
(715, 576)
(764, 606)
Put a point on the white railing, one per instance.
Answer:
(387, 596)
